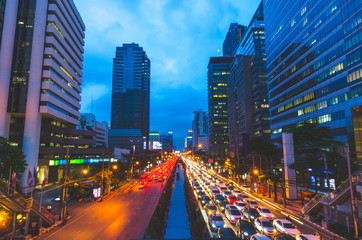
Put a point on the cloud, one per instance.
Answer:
(178, 37)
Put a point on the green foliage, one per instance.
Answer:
(10, 157)
(264, 147)
(242, 169)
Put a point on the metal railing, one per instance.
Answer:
(327, 198)
(25, 203)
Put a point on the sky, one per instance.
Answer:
(179, 37)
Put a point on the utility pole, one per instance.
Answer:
(63, 202)
(353, 200)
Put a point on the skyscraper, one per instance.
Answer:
(130, 98)
(40, 76)
(232, 39)
(217, 75)
(200, 127)
(314, 62)
(248, 93)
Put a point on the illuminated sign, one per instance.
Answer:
(79, 161)
(156, 145)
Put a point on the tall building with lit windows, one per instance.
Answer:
(41, 55)
(314, 65)
(247, 88)
(217, 76)
(130, 114)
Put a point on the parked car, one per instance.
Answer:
(264, 226)
(225, 233)
(265, 212)
(232, 213)
(285, 226)
(216, 221)
(250, 213)
(240, 205)
(245, 229)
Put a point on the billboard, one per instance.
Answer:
(156, 145)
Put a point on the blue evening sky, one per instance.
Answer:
(178, 36)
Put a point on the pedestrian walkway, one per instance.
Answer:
(177, 223)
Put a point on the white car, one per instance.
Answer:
(216, 221)
(232, 213)
(237, 193)
(264, 226)
(259, 237)
(307, 237)
(239, 205)
(251, 203)
(226, 194)
(285, 226)
(265, 212)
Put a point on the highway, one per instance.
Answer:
(124, 216)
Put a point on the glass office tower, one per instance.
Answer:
(314, 64)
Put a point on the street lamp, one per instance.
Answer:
(114, 167)
(85, 171)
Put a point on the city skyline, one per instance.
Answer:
(198, 34)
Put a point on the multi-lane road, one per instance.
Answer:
(124, 216)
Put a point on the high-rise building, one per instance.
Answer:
(217, 75)
(188, 141)
(130, 98)
(232, 39)
(40, 76)
(248, 93)
(88, 121)
(314, 64)
(2, 15)
(200, 126)
(167, 142)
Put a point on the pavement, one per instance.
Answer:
(121, 216)
(177, 222)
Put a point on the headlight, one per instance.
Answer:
(252, 217)
(225, 225)
(274, 231)
(265, 230)
(232, 218)
(272, 216)
(246, 234)
(213, 225)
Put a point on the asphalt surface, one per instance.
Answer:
(124, 216)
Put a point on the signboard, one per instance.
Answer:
(210, 160)
(96, 192)
(156, 145)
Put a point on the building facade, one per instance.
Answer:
(200, 126)
(314, 64)
(167, 142)
(130, 95)
(232, 39)
(40, 77)
(88, 121)
(217, 75)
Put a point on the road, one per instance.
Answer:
(278, 212)
(124, 216)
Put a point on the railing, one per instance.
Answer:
(25, 203)
(312, 203)
(327, 198)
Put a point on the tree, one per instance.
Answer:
(272, 180)
(10, 157)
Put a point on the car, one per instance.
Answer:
(265, 212)
(283, 236)
(259, 237)
(205, 200)
(231, 188)
(243, 197)
(222, 188)
(226, 193)
(232, 213)
(245, 187)
(250, 213)
(216, 221)
(210, 208)
(251, 203)
(285, 226)
(199, 188)
(141, 185)
(218, 198)
(200, 193)
(307, 237)
(232, 199)
(236, 192)
(264, 226)
(225, 233)
(222, 205)
(245, 229)
(240, 205)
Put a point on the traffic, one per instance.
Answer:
(231, 210)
